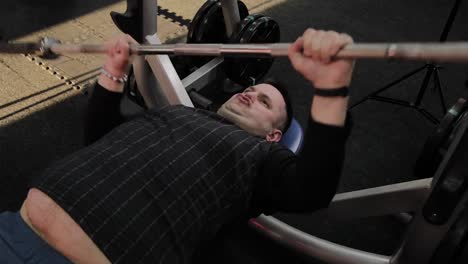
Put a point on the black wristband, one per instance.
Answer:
(342, 92)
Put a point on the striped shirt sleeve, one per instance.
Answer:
(102, 114)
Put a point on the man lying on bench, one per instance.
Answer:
(153, 188)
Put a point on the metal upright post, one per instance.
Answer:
(150, 13)
(231, 15)
(143, 75)
(170, 87)
(156, 77)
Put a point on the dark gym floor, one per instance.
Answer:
(384, 143)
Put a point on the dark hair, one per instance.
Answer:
(284, 92)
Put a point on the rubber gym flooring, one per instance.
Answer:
(385, 141)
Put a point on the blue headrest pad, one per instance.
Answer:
(294, 137)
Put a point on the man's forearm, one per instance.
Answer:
(329, 110)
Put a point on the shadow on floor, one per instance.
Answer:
(29, 16)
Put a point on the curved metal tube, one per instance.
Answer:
(382, 200)
(312, 246)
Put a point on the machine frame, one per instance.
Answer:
(159, 84)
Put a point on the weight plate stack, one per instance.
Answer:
(253, 29)
(196, 21)
(237, 34)
(208, 26)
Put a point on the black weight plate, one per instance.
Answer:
(212, 28)
(240, 29)
(209, 27)
(432, 153)
(247, 70)
(230, 64)
(199, 16)
(262, 30)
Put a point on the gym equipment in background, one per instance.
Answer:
(432, 70)
(437, 144)
(438, 230)
(253, 29)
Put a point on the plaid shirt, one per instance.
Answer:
(153, 187)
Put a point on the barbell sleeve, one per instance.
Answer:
(440, 52)
(72, 48)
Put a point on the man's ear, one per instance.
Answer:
(274, 136)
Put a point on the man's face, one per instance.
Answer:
(260, 110)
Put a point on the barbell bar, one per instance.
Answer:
(438, 52)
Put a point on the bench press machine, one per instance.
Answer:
(438, 231)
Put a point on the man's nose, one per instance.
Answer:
(251, 95)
